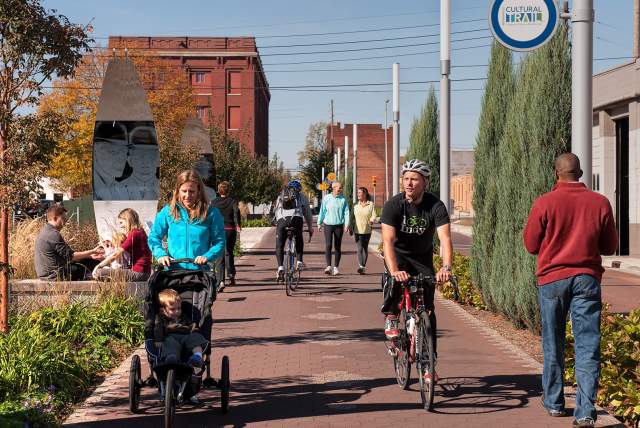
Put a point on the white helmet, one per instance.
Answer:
(416, 165)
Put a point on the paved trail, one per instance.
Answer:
(318, 359)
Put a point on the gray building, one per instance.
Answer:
(616, 144)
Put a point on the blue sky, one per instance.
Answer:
(291, 113)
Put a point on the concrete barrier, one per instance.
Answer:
(25, 291)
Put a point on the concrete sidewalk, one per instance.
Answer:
(318, 359)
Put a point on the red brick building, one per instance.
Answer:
(228, 79)
(371, 157)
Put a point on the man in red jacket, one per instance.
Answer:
(569, 228)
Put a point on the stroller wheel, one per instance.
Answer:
(224, 384)
(169, 400)
(135, 384)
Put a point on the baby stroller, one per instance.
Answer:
(178, 382)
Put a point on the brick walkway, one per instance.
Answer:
(318, 359)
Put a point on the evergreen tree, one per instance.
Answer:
(424, 141)
(537, 129)
(495, 102)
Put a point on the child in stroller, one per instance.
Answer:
(175, 333)
(177, 325)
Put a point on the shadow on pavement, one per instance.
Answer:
(287, 397)
(473, 395)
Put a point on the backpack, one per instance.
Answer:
(289, 198)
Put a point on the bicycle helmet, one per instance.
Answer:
(416, 165)
(295, 184)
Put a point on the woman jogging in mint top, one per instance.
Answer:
(193, 228)
(334, 217)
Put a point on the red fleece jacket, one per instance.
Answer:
(569, 228)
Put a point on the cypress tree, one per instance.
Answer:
(424, 140)
(538, 128)
(495, 101)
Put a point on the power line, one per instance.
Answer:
(372, 48)
(335, 85)
(370, 57)
(309, 44)
(321, 21)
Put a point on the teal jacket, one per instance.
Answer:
(187, 239)
(334, 211)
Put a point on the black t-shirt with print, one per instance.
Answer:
(415, 227)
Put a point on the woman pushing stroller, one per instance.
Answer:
(193, 229)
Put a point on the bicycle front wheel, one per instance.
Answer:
(288, 272)
(426, 360)
(401, 362)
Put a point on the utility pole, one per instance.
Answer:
(386, 154)
(445, 102)
(346, 158)
(582, 85)
(354, 189)
(331, 140)
(396, 128)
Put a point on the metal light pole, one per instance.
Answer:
(396, 128)
(354, 189)
(445, 102)
(339, 163)
(581, 85)
(346, 157)
(386, 154)
(322, 180)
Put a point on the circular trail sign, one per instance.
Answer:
(523, 25)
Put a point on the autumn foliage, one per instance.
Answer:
(171, 101)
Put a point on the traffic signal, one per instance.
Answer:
(374, 180)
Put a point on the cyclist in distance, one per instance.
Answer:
(290, 209)
(409, 221)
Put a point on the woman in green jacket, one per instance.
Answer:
(365, 214)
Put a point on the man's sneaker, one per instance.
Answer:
(335, 271)
(327, 270)
(553, 412)
(221, 286)
(280, 274)
(299, 266)
(361, 270)
(195, 360)
(391, 327)
(584, 422)
(428, 377)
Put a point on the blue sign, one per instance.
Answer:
(523, 25)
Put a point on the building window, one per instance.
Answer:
(234, 83)
(233, 118)
(202, 112)
(199, 77)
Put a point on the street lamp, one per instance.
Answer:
(386, 155)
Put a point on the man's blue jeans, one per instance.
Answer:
(580, 295)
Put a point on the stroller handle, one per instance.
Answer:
(173, 261)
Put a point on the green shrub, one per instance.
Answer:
(256, 222)
(53, 355)
(469, 294)
(620, 364)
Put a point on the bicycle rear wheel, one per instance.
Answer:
(426, 360)
(401, 362)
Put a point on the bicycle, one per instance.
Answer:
(416, 342)
(291, 277)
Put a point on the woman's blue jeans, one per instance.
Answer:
(581, 296)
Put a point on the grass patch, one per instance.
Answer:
(51, 358)
(256, 222)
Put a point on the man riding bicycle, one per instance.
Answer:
(290, 209)
(409, 221)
